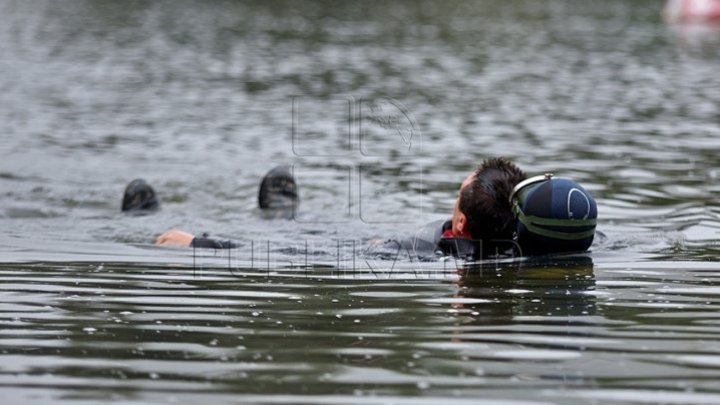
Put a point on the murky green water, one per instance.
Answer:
(382, 109)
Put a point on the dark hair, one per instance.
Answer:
(485, 200)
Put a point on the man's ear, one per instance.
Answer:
(462, 224)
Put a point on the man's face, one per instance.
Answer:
(459, 227)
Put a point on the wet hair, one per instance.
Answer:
(139, 197)
(485, 200)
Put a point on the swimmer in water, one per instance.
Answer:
(498, 210)
(482, 218)
(482, 211)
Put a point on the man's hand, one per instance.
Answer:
(175, 237)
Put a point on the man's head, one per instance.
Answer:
(482, 209)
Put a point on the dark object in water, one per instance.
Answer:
(206, 242)
(278, 190)
(277, 198)
(139, 197)
(554, 215)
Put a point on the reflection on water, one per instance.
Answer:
(561, 287)
(549, 330)
(382, 109)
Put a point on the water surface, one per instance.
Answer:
(382, 110)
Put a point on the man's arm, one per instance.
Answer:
(175, 237)
(179, 238)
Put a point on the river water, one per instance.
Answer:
(381, 109)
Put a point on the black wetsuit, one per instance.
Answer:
(429, 243)
(435, 240)
(426, 243)
(206, 242)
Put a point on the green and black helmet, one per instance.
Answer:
(553, 215)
